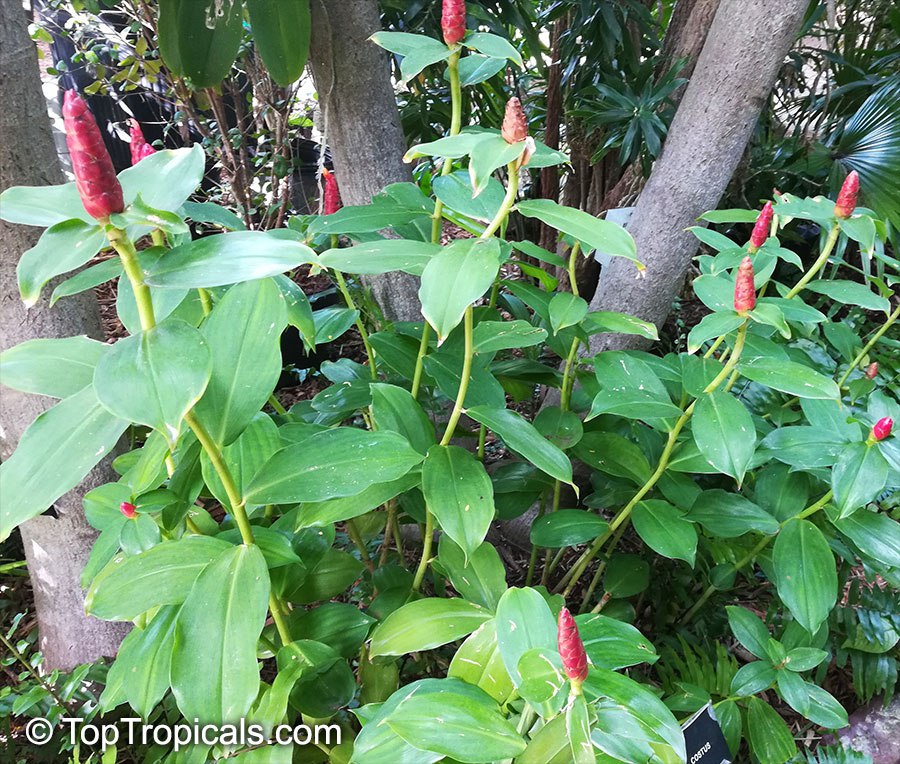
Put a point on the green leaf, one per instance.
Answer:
(790, 377)
(805, 447)
(395, 410)
(381, 257)
(281, 33)
(62, 248)
(753, 678)
(214, 673)
(613, 644)
(566, 309)
(424, 624)
(626, 575)
(664, 529)
(197, 43)
(456, 277)
(459, 493)
(824, 709)
(614, 455)
(331, 576)
(712, 326)
(155, 377)
(750, 631)
(876, 535)
(730, 515)
(243, 334)
(599, 321)
(164, 180)
(769, 735)
(859, 476)
(456, 192)
(561, 428)
(228, 258)
(87, 278)
(600, 235)
(476, 68)
(43, 206)
(850, 293)
(479, 577)
(478, 662)
(457, 726)
(490, 152)
(805, 573)
(724, 432)
(491, 336)
(418, 51)
(804, 658)
(578, 727)
(55, 367)
(567, 527)
(730, 216)
(522, 437)
(163, 575)
(524, 622)
(494, 46)
(348, 507)
(54, 454)
(210, 212)
(341, 626)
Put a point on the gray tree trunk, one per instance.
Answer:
(56, 548)
(362, 123)
(730, 85)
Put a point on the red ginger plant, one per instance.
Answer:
(453, 21)
(744, 290)
(846, 200)
(140, 149)
(762, 227)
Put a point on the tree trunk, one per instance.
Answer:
(732, 80)
(550, 175)
(362, 123)
(56, 547)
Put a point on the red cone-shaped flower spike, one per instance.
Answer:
(762, 227)
(453, 21)
(571, 648)
(846, 201)
(744, 291)
(882, 428)
(872, 370)
(515, 126)
(140, 149)
(332, 193)
(95, 176)
(128, 509)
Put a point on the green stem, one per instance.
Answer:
(602, 566)
(420, 359)
(512, 191)
(868, 346)
(468, 357)
(818, 264)
(427, 539)
(360, 326)
(128, 255)
(276, 404)
(205, 301)
(158, 237)
(357, 539)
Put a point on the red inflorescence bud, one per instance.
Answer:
(140, 149)
(128, 509)
(571, 649)
(95, 176)
(332, 193)
(882, 428)
(872, 370)
(515, 126)
(744, 290)
(762, 227)
(453, 21)
(846, 201)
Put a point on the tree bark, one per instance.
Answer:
(362, 123)
(732, 80)
(56, 548)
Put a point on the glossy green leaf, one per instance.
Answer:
(522, 437)
(612, 644)
(724, 433)
(730, 515)
(145, 657)
(566, 309)
(456, 277)
(424, 624)
(664, 529)
(459, 493)
(850, 293)
(493, 45)
(479, 577)
(228, 258)
(769, 735)
(55, 367)
(348, 507)
(524, 622)
(562, 428)
(567, 527)
(749, 630)
(394, 409)
(805, 573)
(418, 51)
(43, 206)
(331, 576)
(752, 678)
(599, 321)
(87, 278)
(876, 535)
(790, 377)
(456, 192)
(858, 477)
(381, 256)
(341, 626)
(214, 673)
(491, 336)
(281, 34)
(478, 662)
(164, 180)
(490, 152)
(614, 455)
(155, 377)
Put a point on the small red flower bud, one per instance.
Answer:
(140, 149)
(332, 193)
(846, 201)
(515, 126)
(571, 649)
(128, 509)
(872, 370)
(762, 227)
(744, 290)
(453, 21)
(95, 176)
(882, 429)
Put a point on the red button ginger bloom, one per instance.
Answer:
(453, 21)
(140, 149)
(762, 227)
(846, 201)
(882, 429)
(128, 509)
(332, 193)
(744, 291)
(571, 650)
(95, 176)
(872, 370)
(515, 126)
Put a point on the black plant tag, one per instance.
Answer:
(704, 739)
